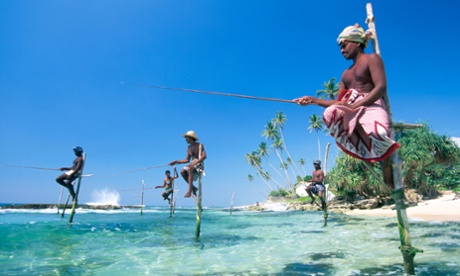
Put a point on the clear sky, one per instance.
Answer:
(62, 64)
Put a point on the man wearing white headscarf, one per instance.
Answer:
(358, 119)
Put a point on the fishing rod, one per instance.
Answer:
(148, 168)
(30, 167)
(211, 93)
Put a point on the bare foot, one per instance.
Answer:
(187, 195)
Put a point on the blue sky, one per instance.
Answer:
(62, 64)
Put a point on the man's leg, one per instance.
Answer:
(387, 173)
(320, 194)
(62, 181)
(308, 189)
(188, 177)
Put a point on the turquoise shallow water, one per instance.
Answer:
(123, 242)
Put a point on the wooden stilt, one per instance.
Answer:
(60, 198)
(199, 207)
(198, 200)
(65, 205)
(231, 206)
(406, 248)
(172, 203)
(142, 196)
(324, 195)
(75, 200)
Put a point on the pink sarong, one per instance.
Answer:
(370, 142)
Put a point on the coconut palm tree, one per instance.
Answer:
(270, 132)
(255, 161)
(264, 152)
(279, 121)
(330, 90)
(316, 124)
(302, 163)
(426, 155)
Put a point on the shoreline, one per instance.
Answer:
(443, 208)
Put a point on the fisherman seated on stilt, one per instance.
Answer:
(66, 179)
(196, 153)
(358, 119)
(316, 187)
(168, 182)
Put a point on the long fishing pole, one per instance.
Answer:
(211, 93)
(148, 168)
(30, 167)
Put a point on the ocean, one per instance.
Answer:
(124, 242)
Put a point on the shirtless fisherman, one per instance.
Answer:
(358, 119)
(196, 153)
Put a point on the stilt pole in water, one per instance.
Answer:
(172, 202)
(65, 205)
(198, 201)
(406, 248)
(324, 182)
(231, 206)
(77, 192)
(142, 196)
(198, 207)
(59, 201)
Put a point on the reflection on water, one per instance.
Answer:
(245, 243)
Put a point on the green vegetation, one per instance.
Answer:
(431, 162)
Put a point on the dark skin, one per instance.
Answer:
(366, 74)
(192, 154)
(318, 177)
(168, 182)
(66, 179)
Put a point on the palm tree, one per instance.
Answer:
(279, 121)
(264, 152)
(270, 132)
(330, 90)
(254, 160)
(316, 124)
(302, 163)
(426, 156)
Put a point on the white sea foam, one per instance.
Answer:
(105, 196)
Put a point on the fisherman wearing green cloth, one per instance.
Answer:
(72, 173)
(195, 153)
(168, 184)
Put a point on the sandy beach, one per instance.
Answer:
(444, 208)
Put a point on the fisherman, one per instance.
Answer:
(168, 184)
(317, 186)
(72, 173)
(358, 119)
(196, 153)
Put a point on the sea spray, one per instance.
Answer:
(105, 196)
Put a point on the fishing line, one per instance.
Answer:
(148, 168)
(211, 93)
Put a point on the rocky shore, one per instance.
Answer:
(359, 206)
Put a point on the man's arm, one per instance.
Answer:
(306, 100)
(164, 184)
(183, 161)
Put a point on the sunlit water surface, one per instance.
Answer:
(124, 242)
